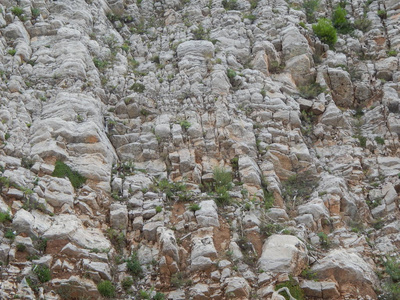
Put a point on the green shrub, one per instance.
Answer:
(200, 33)
(173, 189)
(17, 11)
(231, 74)
(325, 31)
(9, 234)
(230, 4)
(362, 140)
(35, 12)
(42, 272)
(62, 170)
(127, 283)
(100, 64)
(12, 52)
(106, 289)
(308, 274)
(179, 280)
(310, 6)
(158, 209)
(21, 247)
(362, 24)
(392, 52)
(324, 240)
(222, 184)
(194, 207)
(311, 91)
(293, 287)
(340, 21)
(117, 238)
(138, 87)
(252, 18)
(159, 296)
(379, 140)
(253, 4)
(133, 266)
(5, 217)
(185, 124)
(392, 268)
(382, 14)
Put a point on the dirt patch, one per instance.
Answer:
(178, 209)
(20, 256)
(55, 246)
(222, 235)
(256, 239)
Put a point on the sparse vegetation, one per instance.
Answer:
(293, 287)
(340, 21)
(325, 32)
(222, 185)
(324, 240)
(230, 4)
(5, 217)
(106, 289)
(127, 283)
(138, 87)
(194, 207)
(62, 170)
(311, 91)
(17, 11)
(310, 6)
(362, 24)
(42, 272)
(185, 124)
(133, 266)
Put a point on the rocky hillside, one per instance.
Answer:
(199, 149)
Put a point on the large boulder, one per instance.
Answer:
(283, 254)
(347, 268)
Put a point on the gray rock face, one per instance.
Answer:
(207, 215)
(346, 267)
(283, 254)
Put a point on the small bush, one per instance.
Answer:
(106, 289)
(231, 74)
(159, 296)
(230, 4)
(179, 280)
(362, 24)
(100, 64)
(392, 52)
(12, 52)
(382, 14)
(138, 87)
(311, 91)
(42, 272)
(324, 240)
(379, 140)
(127, 283)
(133, 266)
(310, 6)
(200, 33)
(158, 209)
(5, 217)
(35, 12)
(17, 11)
(9, 234)
(340, 21)
(362, 140)
(62, 170)
(392, 268)
(21, 247)
(185, 124)
(293, 287)
(325, 31)
(194, 207)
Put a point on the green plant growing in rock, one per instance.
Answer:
(173, 189)
(324, 240)
(138, 87)
(268, 229)
(5, 217)
(325, 32)
(230, 4)
(200, 33)
(308, 274)
(35, 12)
(117, 238)
(179, 280)
(185, 124)
(127, 283)
(275, 67)
(100, 64)
(21, 248)
(382, 14)
(392, 52)
(339, 20)
(362, 23)
(17, 11)
(311, 91)
(133, 266)
(106, 289)
(294, 289)
(9, 234)
(42, 272)
(299, 186)
(379, 140)
(194, 207)
(12, 52)
(222, 186)
(310, 7)
(62, 170)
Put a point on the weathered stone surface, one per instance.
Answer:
(283, 254)
(207, 214)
